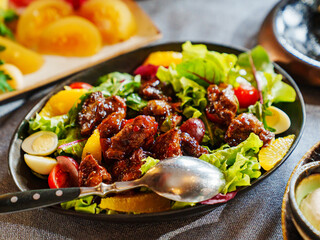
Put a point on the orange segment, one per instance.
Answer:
(270, 155)
(37, 16)
(163, 58)
(138, 203)
(70, 36)
(113, 18)
(61, 102)
(26, 60)
(93, 146)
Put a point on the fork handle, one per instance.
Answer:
(27, 200)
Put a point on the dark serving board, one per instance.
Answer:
(25, 180)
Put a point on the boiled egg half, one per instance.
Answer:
(39, 164)
(279, 120)
(41, 143)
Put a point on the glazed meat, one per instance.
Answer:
(91, 173)
(241, 127)
(222, 107)
(111, 125)
(162, 111)
(127, 170)
(95, 108)
(151, 90)
(167, 145)
(157, 108)
(138, 133)
(191, 147)
(108, 128)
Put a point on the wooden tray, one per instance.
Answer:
(289, 231)
(57, 67)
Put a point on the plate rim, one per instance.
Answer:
(159, 216)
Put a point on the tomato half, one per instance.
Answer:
(80, 85)
(58, 178)
(247, 95)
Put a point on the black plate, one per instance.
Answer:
(25, 180)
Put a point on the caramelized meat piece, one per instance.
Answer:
(157, 108)
(91, 173)
(222, 105)
(108, 128)
(168, 145)
(162, 111)
(111, 125)
(152, 90)
(138, 133)
(241, 127)
(95, 108)
(191, 147)
(127, 170)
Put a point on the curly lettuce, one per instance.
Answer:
(239, 164)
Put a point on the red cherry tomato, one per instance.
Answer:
(247, 95)
(21, 3)
(61, 176)
(80, 85)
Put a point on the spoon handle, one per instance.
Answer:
(27, 200)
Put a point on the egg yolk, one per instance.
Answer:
(42, 143)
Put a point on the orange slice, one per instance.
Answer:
(93, 146)
(270, 155)
(61, 102)
(138, 203)
(163, 58)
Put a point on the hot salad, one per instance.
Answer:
(201, 103)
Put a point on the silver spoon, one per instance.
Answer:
(184, 179)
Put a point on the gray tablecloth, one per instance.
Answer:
(252, 215)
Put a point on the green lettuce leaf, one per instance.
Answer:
(149, 162)
(204, 66)
(53, 124)
(73, 144)
(192, 95)
(273, 88)
(135, 102)
(83, 204)
(120, 84)
(239, 164)
(123, 85)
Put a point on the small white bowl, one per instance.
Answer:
(304, 227)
